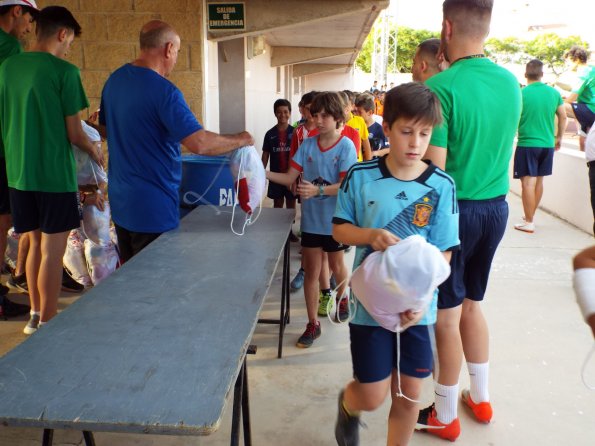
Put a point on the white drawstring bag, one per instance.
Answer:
(87, 170)
(249, 177)
(74, 258)
(403, 277)
(102, 260)
(96, 224)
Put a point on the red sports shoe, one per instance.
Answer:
(482, 411)
(428, 422)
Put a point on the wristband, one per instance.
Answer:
(320, 191)
(584, 288)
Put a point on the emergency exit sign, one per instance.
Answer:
(226, 16)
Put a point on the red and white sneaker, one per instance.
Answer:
(428, 422)
(482, 411)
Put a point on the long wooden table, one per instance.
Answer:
(159, 345)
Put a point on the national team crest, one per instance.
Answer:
(422, 215)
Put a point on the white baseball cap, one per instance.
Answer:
(29, 3)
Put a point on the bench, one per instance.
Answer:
(158, 347)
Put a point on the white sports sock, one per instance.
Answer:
(446, 402)
(478, 376)
(35, 313)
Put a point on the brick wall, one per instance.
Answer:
(110, 39)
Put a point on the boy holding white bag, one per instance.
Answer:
(380, 203)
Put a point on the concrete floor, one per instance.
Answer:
(538, 343)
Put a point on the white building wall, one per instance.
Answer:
(211, 106)
(566, 193)
(330, 81)
(262, 91)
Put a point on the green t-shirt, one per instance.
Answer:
(9, 46)
(37, 91)
(536, 128)
(481, 106)
(586, 94)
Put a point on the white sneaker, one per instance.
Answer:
(525, 227)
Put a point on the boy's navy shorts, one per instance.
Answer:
(481, 227)
(584, 116)
(50, 212)
(374, 352)
(326, 242)
(533, 162)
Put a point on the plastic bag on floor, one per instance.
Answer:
(249, 177)
(96, 224)
(74, 258)
(102, 260)
(12, 248)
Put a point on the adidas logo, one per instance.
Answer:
(402, 196)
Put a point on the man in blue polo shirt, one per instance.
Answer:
(146, 118)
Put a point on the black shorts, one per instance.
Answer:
(481, 227)
(326, 242)
(583, 115)
(277, 191)
(533, 162)
(130, 243)
(50, 212)
(374, 352)
(4, 195)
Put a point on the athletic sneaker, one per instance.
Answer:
(69, 284)
(482, 411)
(18, 283)
(298, 280)
(323, 303)
(346, 427)
(312, 332)
(428, 422)
(525, 227)
(9, 308)
(342, 309)
(32, 325)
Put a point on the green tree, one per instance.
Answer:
(407, 41)
(505, 50)
(550, 49)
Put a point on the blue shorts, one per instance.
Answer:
(374, 352)
(50, 212)
(481, 227)
(533, 162)
(583, 115)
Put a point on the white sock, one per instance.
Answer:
(35, 313)
(478, 376)
(446, 402)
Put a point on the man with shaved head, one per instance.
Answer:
(481, 106)
(425, 60)
(146, 119)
